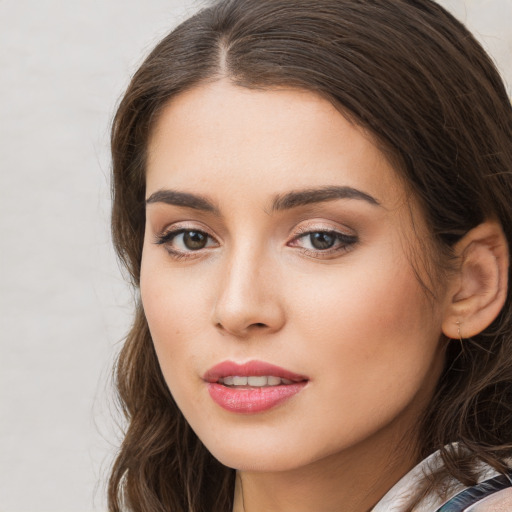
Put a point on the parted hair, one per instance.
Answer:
(411, 75)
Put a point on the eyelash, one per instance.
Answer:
(343, 242)
(167, 237)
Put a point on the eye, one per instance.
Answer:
(322, 240)
(193, 240)
(183, 241)
(321, 243)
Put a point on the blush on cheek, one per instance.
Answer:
(377, 324)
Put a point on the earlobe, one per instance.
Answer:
(479, 288)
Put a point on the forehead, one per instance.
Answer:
(269, 141)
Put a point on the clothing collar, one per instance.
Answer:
(397, 498)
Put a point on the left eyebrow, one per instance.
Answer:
(308, 196)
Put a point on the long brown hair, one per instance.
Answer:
(414, 77)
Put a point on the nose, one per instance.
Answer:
(248, 300)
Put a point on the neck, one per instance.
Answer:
(352, 481)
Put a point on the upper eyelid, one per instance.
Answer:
(336, 233)
(305, 231)
(319, 226)
(303, 228)
(346, 233)
(179, 231)
(186, 226)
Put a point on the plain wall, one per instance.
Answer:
(64, 306)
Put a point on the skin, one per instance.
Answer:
(498, 502)
(353, 319)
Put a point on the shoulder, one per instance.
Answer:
(500, 501)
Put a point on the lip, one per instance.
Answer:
(256, 368)
(251, 400)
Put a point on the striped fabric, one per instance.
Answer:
(465, 499)
(493, 492)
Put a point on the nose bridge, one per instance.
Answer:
(248, 298)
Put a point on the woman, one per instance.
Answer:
(313, 197)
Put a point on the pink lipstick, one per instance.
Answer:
(252, 387)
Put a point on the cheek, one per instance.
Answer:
(374, 299)
(373, 331)
(174, 299)
(171, 310)
(170, 306)
(173, 305)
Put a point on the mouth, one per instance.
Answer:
(252, 387)
(253, 381)
(253, 373)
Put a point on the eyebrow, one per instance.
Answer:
(308, 196)
(282, 202)
(185, 199)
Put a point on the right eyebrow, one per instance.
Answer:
(185, 199)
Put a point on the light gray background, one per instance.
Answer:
(64, 306)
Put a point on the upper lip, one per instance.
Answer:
(250, 368)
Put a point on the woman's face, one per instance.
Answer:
(278, 244)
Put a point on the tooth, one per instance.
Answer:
(227, 381)
(273, 381)
(257, 381)
(286, 381)
(239, 381)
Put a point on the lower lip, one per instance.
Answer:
(252, 400)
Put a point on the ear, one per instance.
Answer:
(479, 288)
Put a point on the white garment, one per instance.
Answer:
(397, 498)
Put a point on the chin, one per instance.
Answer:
(262, 452)
(253, 461)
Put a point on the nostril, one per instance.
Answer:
(241, 331)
